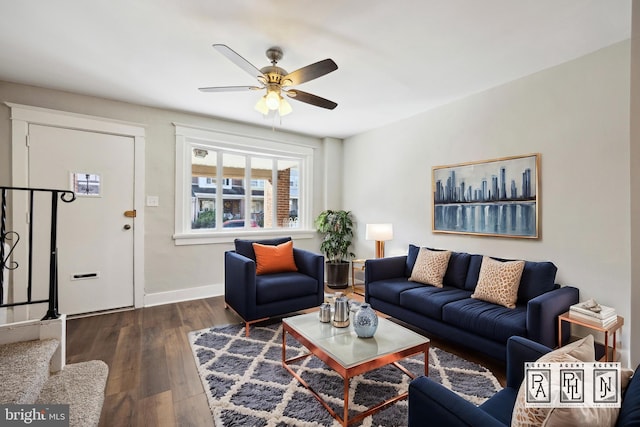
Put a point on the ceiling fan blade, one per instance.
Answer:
(228, 88)
(310, 98)
(234, 57)
(309, 72)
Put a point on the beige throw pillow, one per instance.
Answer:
(430, 267)
(578, 351)
(499, 281)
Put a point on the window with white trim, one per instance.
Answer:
(233, 185)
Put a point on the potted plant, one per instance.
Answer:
(337, 230)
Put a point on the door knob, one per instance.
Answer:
(127, 227)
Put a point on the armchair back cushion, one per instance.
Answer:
(245, 247)
(274, 258)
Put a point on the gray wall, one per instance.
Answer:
(576, 115)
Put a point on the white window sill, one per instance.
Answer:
(220, 237)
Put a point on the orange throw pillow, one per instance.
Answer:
(274, 259)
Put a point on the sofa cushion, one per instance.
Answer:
(429, 300)
(488, 320)
(499, 281)
(412, 255)
(457, 270)
(284, 286)
(390, 290)
(475, 262)
(245, 247)
(456, 274)
(274, 258)
(537, 278)
(430, 267)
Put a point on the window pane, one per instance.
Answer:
(233, 191)
(203, 188)
(262, 191)
(288, 193)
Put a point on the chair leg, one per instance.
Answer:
(247, 323)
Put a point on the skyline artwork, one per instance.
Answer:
(497, 197)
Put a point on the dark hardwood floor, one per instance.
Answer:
(153, 380)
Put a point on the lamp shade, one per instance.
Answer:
(261, 105)
(380, 232)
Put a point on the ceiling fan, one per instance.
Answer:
(277, 81)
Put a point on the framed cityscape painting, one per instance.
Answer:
(496, 197)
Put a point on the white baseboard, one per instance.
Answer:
(187, 294)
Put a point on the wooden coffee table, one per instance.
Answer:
(349, 355)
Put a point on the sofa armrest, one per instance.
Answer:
(239, 283)
(519, 351)
(309, 263)
(432, 404)
(543, 312)
(384, 268)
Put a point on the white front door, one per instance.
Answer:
(95, 236)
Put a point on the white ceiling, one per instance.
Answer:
(395, 58)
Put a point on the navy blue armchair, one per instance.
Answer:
(259, 297)
(431, 404)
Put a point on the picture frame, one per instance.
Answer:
(496, 197)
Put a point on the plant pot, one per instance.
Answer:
(337, 274)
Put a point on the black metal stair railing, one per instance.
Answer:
(11, 238)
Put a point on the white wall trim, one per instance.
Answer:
(186, 135)
(24, 115)
(160, 298)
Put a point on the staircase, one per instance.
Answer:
(31, 372)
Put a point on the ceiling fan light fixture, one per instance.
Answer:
(273, 100)
(261, 105)
(285, 107)
(277, 80)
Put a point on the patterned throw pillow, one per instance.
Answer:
(499, 281)
(579, 351)
(274, 259)
(430, 267)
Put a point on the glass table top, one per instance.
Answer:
(344, 346)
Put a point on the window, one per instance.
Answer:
(265, 186)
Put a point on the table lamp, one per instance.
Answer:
(380, 233)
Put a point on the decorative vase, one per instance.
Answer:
(365, 321)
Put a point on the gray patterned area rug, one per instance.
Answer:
(246, 384)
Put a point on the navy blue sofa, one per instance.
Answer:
(432, 404)
(257, 298)
(450, 312)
